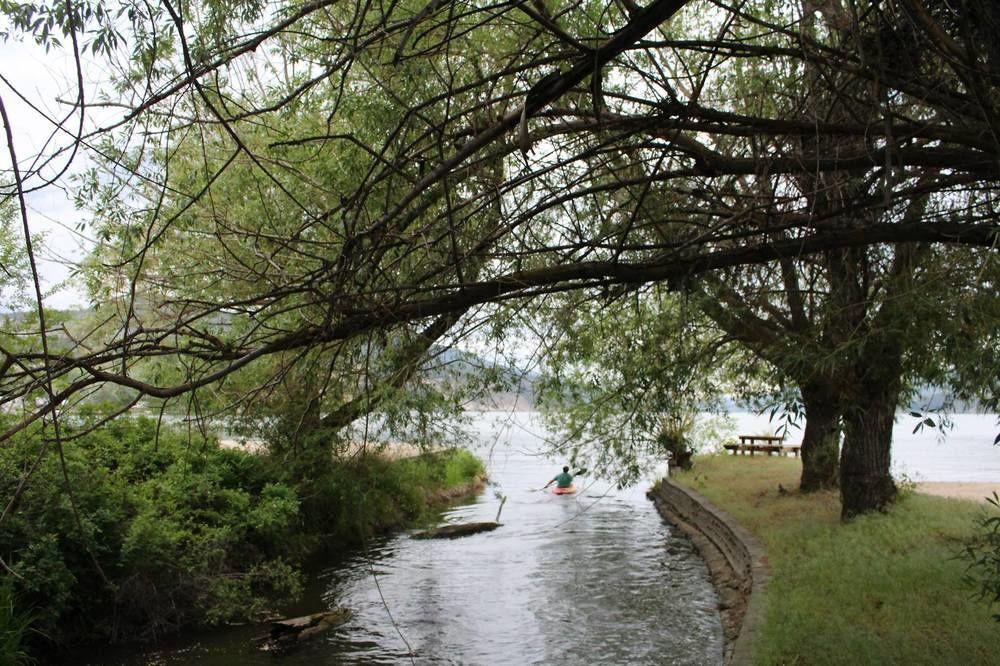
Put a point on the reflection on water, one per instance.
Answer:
(592, 578)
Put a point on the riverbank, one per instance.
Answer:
(593, 578)
(885, 588)
(181, 533)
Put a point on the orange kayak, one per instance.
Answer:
(568, 490)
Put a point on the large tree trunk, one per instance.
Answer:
(865, 482)
(876, 384)
(821, 439)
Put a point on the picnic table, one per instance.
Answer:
(769, 444)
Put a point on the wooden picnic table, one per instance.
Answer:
(767, 439)
(769, 444)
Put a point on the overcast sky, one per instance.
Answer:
(43, 78)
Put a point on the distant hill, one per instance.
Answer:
(932, 398)
(496, 386)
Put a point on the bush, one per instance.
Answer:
(983, 554)
(673, 438)
(460, 467)
(369, 495)
(184, 532)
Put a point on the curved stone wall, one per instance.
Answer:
(735, 559)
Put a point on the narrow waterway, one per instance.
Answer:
(591, 578)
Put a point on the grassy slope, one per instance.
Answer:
(884, 589)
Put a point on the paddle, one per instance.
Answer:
(579, 472)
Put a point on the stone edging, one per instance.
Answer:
(736, 561)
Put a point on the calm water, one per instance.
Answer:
(595, 578)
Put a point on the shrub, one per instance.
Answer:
(13, 627)
(673, 438)
(184, 532)
(369, 495)
(460, 467)
(982, 552)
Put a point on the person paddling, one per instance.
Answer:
(563, 481)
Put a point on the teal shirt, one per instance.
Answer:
(564, 480)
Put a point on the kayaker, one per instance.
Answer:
(563, 480)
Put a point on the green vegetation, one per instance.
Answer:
(179, 532)
(371, 495)
(294, 205)
(982, 552)
(13, 625)
(883, 588)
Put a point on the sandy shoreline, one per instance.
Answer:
(977, 492)
(391, 450)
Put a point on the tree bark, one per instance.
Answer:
(875, 386)
(865, 482)
(820, 394)
(820, 439)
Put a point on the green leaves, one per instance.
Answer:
(614, 373)
(46, 23)
(14, 270)
(14, 626)
(982, 553)
(186, 532)
(923, 421)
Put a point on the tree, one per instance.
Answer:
(13, 262)
(348, 163)
(621, 373)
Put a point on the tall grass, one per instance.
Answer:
(373, 495)
(13, 627)
(883, 589)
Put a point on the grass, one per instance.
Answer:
(883, 589)
(375, 495)
(13, 626)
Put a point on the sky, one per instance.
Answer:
(43, 78)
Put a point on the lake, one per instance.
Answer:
(962, 453)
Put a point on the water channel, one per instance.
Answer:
(592, 578)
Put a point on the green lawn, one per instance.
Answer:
(883, 589)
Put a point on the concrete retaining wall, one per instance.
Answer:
(735, 559)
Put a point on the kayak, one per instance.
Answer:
(568, 490)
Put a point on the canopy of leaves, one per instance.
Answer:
(321, 176)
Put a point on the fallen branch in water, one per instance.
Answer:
(461, 529)
(287, 633)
